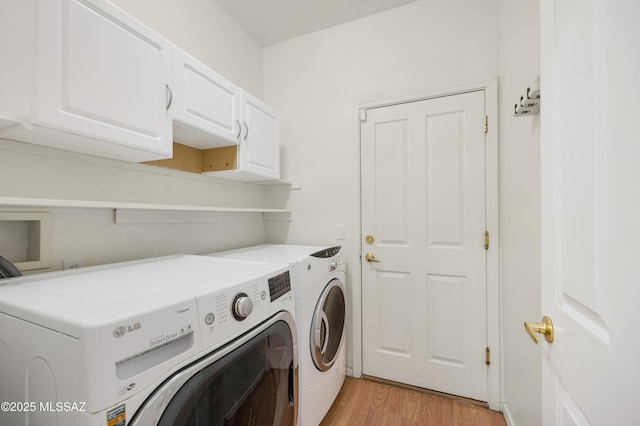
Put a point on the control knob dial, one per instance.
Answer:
(242, 306)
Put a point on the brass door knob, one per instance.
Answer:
(370, 257)
(545, 328)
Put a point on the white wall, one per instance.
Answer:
(317, 81)
(520, 211)
(203, 29)
(93, 237)
(91, 234)
(33, 171)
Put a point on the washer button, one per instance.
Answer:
(208, 319)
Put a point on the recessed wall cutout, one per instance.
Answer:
(25, 239)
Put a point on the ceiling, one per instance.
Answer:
(273, 21)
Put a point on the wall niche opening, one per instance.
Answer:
(25, 239)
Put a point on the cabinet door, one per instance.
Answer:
(104, 75)
(259, 151)
(204, 104)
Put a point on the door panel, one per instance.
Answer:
(395, 335)
(423, 200)
(445, 193)
(589, 157)
(444, 304)
(391, 186)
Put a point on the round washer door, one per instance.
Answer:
(327, 325)
(252, 381)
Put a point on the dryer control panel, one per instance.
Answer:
(328, 252)
(334, 259)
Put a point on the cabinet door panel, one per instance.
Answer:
(204, 101)
(260, 143)
(102, 74)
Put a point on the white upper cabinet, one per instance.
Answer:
(84, 76)
(205, 105)
(259, 151)
(102, 73)
(101, 83)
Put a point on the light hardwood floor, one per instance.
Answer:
(364, 402)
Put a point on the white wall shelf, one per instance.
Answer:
(280, 183)
(50, 202)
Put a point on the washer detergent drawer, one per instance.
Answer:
(127, 354)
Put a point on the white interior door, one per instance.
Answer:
(590, 156)
(423, 205)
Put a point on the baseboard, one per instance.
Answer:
(507, 415)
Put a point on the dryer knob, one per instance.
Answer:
(242, 306)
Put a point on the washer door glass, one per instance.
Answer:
(254, 384)
(327, 325)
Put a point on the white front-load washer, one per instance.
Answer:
(318, 282)
(181, 340)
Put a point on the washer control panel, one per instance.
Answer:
(228, 312)
(279, 285)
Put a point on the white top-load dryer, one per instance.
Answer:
(155, 342)
(318, 282)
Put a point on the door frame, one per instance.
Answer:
(494, 294)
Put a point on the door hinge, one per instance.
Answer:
(363, 115)
(488, 356)
(486, 240)
(486, 123)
